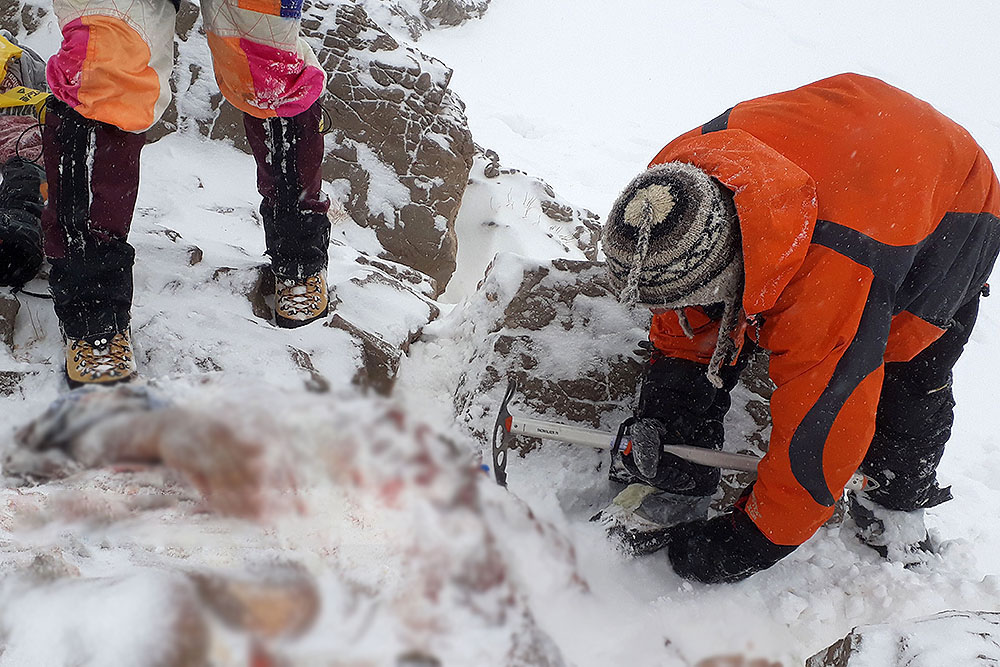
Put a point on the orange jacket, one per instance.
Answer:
(867, 218)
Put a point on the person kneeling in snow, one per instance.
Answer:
(848, 229)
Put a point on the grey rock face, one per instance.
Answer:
(554, 327)
(947, 638)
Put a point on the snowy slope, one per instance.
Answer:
(581, 94)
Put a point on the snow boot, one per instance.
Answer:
(299, 302)
(897, 536)
(100, 360)
(640, 517)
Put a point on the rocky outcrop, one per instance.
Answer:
(553, 326)
(399, 141)
(947, 638)
(418, 16)
(573, 227)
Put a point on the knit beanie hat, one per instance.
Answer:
(672, 240)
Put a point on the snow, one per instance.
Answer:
(581, 94)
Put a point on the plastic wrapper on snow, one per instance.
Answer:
(212, 524)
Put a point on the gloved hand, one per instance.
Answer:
(724, 549)
(647, 461)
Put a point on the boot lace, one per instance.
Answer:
(102, 357)
(301, 298)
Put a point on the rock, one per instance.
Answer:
(418, 16)
(379, 361)
(508, 198)
(399, 138)
(26, 16)
(10, 381)
(453, 12)
(946, 638)
(9, 306)
(554, 326)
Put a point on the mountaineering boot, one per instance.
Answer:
(639, 518)
(289, 155)
(897, 536)
(299, 302)
(103, 360)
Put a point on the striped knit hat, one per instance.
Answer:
(672, 240)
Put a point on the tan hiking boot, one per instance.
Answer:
(299, 301)
(100, 360)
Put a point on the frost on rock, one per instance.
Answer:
(416, 17)
(375, 537)
(554, 326)
(399, 137)
(947, 638)
(576, 229)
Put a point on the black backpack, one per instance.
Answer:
(20, 222)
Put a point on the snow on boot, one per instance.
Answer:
(899, 537)
(300, 301)
(103, 359)
(639, 518)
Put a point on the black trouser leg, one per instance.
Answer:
(914, 420)
(93, 171)
(289, 154)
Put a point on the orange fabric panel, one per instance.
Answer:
(232, 73)
(272, 7)
(807, 337)
(856, 136)
(666, 334)
(785, 512)
(117, 84)
(775, 201)
(908, 336)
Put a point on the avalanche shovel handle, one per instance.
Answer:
(508, 425)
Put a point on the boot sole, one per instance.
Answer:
(286, 323)
(74, 384)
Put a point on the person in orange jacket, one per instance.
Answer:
(848, 229)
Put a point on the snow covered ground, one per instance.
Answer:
(581, 94)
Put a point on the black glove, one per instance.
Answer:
(724, 549)
(647, 461)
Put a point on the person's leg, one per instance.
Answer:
(914, 420)
(267, 71)
(289, 154)
(912, 426)
(109, 82)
